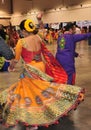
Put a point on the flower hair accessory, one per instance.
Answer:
(29, 25)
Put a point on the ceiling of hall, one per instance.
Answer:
(46, 4)
(23, 6)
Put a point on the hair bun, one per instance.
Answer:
(29, 25)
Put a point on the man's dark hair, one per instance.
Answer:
(69, 26)
(89, 28)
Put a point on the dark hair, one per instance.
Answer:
(3, 34)
(89, 29)
(69, 26)
(35, 31)
(22, 25)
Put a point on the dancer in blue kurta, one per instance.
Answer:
(66, 50)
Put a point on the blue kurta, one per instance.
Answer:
(5, 52)
(66, 55)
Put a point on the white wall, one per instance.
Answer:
(63, 15)
(68, 15)
(18, 18)
(72, 13)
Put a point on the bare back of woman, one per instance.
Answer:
(33, 43)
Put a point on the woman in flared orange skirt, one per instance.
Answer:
(41, 96)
